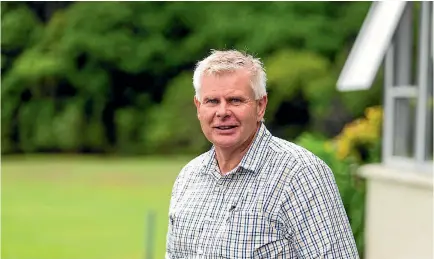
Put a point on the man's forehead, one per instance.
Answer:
(224, 93)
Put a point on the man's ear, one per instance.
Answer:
(262, 105)
(197, 103)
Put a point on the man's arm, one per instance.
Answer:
(176, 189)
(169, 227)
(313, 212)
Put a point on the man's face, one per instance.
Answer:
(228, 112)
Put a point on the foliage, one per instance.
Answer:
(299, 74)
(361, 137)
(174, 127)
(94, 76)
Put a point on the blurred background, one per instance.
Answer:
(97, 113)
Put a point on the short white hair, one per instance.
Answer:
(221, 61)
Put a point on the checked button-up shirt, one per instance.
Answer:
(281, 201)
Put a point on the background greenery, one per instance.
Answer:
(115, 79)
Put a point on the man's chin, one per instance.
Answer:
(225, 142)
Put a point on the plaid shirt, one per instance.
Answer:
(281, 201)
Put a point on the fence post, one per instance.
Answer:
(149, 234)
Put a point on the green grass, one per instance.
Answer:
(84, 208)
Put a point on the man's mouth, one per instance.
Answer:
(225, 127)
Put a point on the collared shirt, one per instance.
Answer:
(281, 201)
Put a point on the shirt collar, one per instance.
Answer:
(254, 157)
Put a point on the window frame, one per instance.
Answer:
(395, 49)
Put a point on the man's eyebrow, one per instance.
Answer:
(241, 97)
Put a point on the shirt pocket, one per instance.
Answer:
(245, 232)
(183, 233)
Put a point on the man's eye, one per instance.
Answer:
(212, 101)
(235, 100)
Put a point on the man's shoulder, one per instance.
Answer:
(197, 162)
(296, 161)
(302, 156)
(191, 167)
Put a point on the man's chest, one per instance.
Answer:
(226, 218)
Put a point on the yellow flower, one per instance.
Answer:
(361, 131)
(343, 148)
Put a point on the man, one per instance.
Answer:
(252, 195)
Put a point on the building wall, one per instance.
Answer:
(399, 213)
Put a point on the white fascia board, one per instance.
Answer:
(371, 45)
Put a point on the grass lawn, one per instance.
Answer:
(84, 207)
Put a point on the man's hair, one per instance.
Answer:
(223, 61)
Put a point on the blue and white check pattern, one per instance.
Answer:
(280, 202)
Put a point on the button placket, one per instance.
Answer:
(204, 234)
(218, 186)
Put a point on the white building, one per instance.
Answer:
(398, 36)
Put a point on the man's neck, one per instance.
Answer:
(229, 158)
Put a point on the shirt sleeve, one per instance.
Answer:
(174, 195)
(314, 215)
(177, 186)
(169, 244)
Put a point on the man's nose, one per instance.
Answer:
(222, 110)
